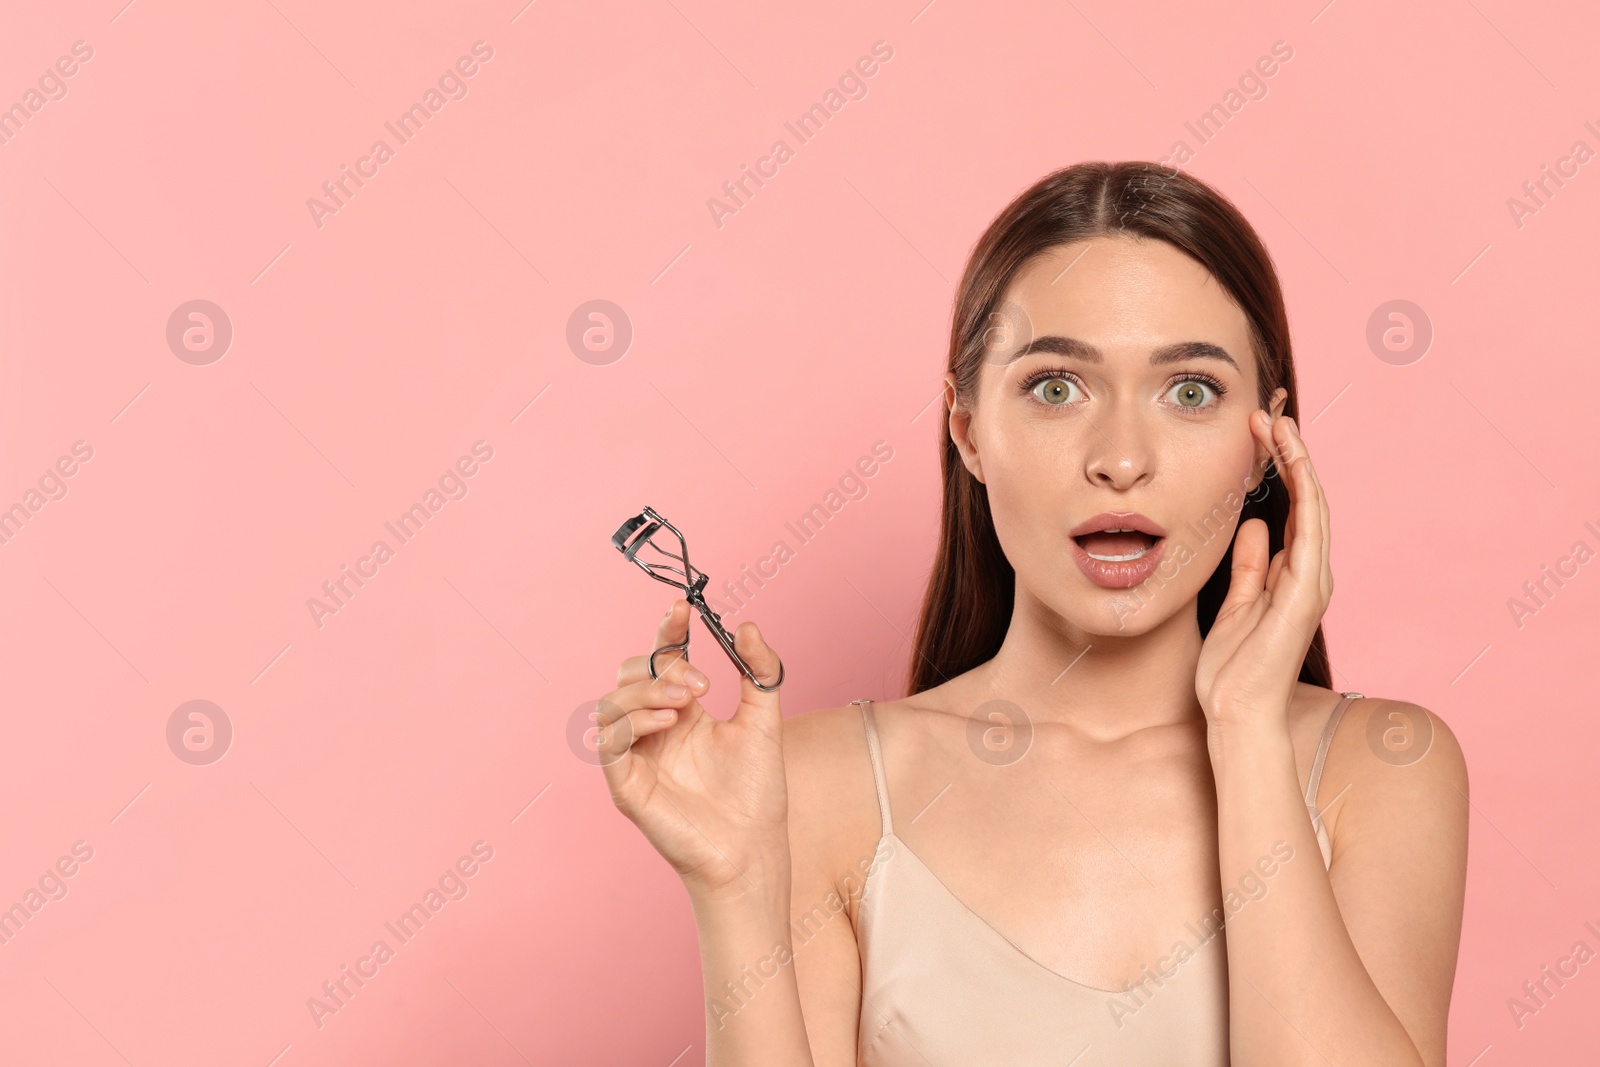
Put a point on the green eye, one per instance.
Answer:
(1193, 393)
(1054, 391)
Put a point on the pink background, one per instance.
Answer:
(768, 354)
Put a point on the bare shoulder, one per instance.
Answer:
(1381, 736)
(833, 808)
(825, 749)
(1403, 769)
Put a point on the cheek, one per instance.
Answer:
(1028, 483)
(1233, 465)
(1219, 456)
(1020, 500)
(1215, 481)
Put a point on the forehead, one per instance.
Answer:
(1126, 296)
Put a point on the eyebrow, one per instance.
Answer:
(1174, 353)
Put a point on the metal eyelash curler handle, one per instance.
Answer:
(638, 533)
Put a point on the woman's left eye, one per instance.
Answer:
(1052, 390)
(1194, 393)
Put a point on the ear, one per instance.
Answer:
(1263, 459)
(961, 427)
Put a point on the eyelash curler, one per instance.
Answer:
(642, 531)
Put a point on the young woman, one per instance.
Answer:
(1122, 729)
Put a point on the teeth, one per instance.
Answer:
(1116, 559)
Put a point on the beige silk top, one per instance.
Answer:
(941, 986)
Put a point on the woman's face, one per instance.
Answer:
(1127, 409)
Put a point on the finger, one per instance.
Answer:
(1282, 446)
(1316, 481)
(1261, 430)
(632, 670)
(1306, 557)
(1305, 547)
(1322, 504)
(1260, 425)
(1275, 572)
(614, 744)
(671, 690)
(669, 631)
(1282, 450)
(1288, 519)
(674, 627)
(763, 659)
(673, 666)
(1249, 565)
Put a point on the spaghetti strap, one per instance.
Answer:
(1323, 841)
(878, 779)
(1322, 748)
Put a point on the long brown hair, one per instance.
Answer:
(969, 599)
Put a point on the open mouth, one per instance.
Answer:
(1116, 546)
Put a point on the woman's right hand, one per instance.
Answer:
(708, 793)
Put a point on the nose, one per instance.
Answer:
(1121, 452)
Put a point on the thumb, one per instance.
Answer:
(763, 661)
(1249, 565)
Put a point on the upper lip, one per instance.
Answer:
(1113, 520)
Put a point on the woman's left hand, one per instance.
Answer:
(1251, 658)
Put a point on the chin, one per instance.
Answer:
(1095, 612)
(1131, 616)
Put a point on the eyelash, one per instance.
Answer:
(1032, 381)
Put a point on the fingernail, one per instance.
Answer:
(695, 678)
(662, 714)
(674, 691)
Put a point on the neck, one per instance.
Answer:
(1106, 686)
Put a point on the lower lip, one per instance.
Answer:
(1121, 575)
